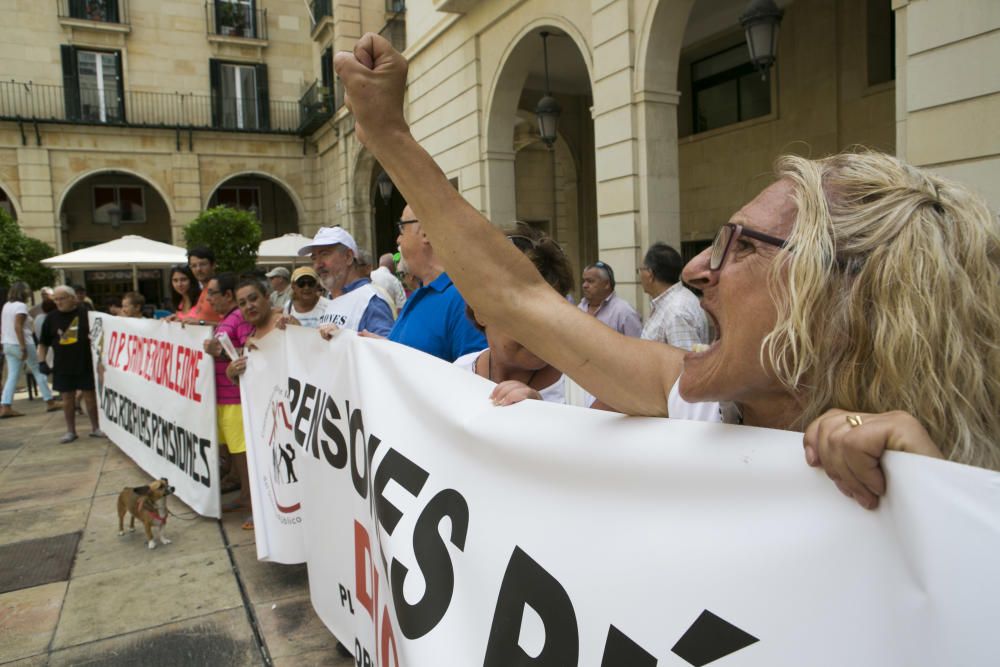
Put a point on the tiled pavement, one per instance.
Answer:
(205, 599)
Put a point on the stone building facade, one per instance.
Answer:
(665, 128)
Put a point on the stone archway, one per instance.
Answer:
(657, 59)
(8, 203)
(518, 86)
(274, 202)
(104, 205)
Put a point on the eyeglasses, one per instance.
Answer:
(305, 283)
(402, 223)
(728, 233)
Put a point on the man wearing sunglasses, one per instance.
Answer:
(354, 302)
(308, 306)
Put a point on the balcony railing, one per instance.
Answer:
(316, 106)
(395, 6)
(394, 30)
(320, 9)
(236, 18)
(48, 103)
(101, 11)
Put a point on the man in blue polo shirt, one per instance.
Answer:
(433, 319)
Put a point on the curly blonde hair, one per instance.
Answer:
(890, 300)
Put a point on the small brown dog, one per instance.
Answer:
(149, 505)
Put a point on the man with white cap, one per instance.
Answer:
(356, 305)
(281, 287)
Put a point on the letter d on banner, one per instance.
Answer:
(526, 583)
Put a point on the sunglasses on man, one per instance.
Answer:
(305, 283)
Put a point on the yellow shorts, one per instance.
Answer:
(229, 419)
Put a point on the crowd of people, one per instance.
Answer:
(855, 300)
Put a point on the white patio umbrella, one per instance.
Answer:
(282, 250)
(131, 251)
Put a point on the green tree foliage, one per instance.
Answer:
(233, 236)
(21, 256)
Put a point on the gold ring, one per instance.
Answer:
(854, 420)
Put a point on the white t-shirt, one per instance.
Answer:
(678, 408)
(383, 278)
(554, 393)
(8, 319)
(322, 313)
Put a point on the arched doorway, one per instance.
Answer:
(7, 203)
(104, 206)
(263, 196)
(552, 188)
(372, 215)
(385, 212)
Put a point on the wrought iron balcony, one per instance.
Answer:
(46, 103)
(100, 11)
(320, 9)
(316, 107)
(236, 18)
(394, 30)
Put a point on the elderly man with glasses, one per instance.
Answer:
(354, 303)
(433, 319)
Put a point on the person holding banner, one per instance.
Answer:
(519, 374)
(856, 299)
(232, 332)
(184, 289)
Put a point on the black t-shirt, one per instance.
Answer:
(68, 334)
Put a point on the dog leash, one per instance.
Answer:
(176, 516)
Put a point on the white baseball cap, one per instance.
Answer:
(279, 271)
(327, 236)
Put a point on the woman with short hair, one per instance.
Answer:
(16, 332)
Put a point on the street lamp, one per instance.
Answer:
(760, 22)
(548, 108)
(385, 186)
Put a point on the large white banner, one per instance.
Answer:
(156, 395)
(441, 530)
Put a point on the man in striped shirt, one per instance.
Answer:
(676, 317)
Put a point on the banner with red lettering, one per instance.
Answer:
(156, 394)
(442, 530)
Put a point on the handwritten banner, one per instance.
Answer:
(156, 396)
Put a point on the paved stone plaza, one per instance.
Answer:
(205, 599)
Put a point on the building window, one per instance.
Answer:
(242, 198)
(326, 69)
(239, 96)
(124, 202)
(92, 85)
(235, 18)
(726, 89)
(881, 44)
(105, 11)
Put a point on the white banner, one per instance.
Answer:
(272, 455)
(156, 395)
(441, 530)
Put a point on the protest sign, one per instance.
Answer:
(441, 530)
(272, 454)
(156, 395)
